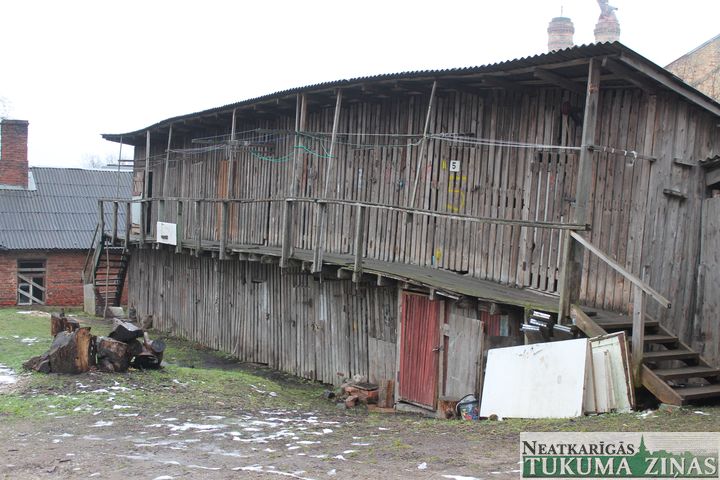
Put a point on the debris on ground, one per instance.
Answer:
(353, 393)
(75, 350)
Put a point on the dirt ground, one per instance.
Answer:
(214, 441)
(205, 415)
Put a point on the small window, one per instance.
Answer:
(31, 282)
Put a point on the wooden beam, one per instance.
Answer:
(161, 205)
(223, 230)
(638, 332)
(180, 227)
(146, 183)
(128, 224)
(359, 242)
(628, 74)
(288, 209)
(563, 283)
(113, 237)
(559, 80)
(666, 79)
(321, 218)
(585, 323)
(583, 186)
(423, 146)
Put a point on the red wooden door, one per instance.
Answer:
(419, 354)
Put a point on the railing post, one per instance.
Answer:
(223, 229)
(638, 331)
(198, 227)
(564, 281)
(180, 227)
(142, 223)
(287, 233)
(319, 230)
(101, 219)
(114, 222)
(128, 223)
(359, 241)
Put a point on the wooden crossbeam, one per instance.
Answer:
(559, 80)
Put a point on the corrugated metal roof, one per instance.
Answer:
(62, 212)
(558, 56)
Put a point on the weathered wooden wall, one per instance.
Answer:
(632, 219)
(321, 330)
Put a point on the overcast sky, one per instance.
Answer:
(78, 69)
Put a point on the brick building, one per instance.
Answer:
(700, 67)
(47, 221)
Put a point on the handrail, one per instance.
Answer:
(87, 256)
(379, 206)
(615, 266)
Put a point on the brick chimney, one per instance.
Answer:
(560, 34)
(14, 153)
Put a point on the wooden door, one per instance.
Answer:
(464, 354)
(708, 342)
(419, 349)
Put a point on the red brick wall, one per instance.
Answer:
(14, 159)
(63, 276)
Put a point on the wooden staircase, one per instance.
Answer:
(671, 370)
(108, 270)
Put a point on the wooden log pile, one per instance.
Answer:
(75, 350)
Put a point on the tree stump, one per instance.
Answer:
(71, 352)
(40, 363)
(113, 355)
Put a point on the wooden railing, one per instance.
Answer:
(640, 289)
(195, 237)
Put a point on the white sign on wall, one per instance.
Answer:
(166, 233)
(454, 165)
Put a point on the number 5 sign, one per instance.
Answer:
(454, 165)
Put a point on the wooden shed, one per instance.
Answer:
(398, 226)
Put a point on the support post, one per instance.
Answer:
(128, 223)
(584, 179)
(142, 223)
(198, 227)
(359, 241)
(223, 230)
(321, 219)
(114, 222)
(161, 205)
(563, 285)
(287, 233)
(638, 330)
(180, 226)
(101, 220)
(423, 146)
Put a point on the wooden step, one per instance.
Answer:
(675, 354)
(686, 372)
(620, 324)
(696, 393)
(661, 339)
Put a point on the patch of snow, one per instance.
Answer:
(102, 423)
(422, 466)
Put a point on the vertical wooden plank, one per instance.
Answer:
(584, 175)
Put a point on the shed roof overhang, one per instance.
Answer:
(621, 67)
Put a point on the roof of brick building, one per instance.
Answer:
(59, 210)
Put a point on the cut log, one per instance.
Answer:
(113, 355)
(60, 323)
(125, 331)
(156, 347)
(135, 347)
(71, 352)
(40, 363)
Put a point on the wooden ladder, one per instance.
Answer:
(671, 370)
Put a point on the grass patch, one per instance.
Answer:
(195, 379)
